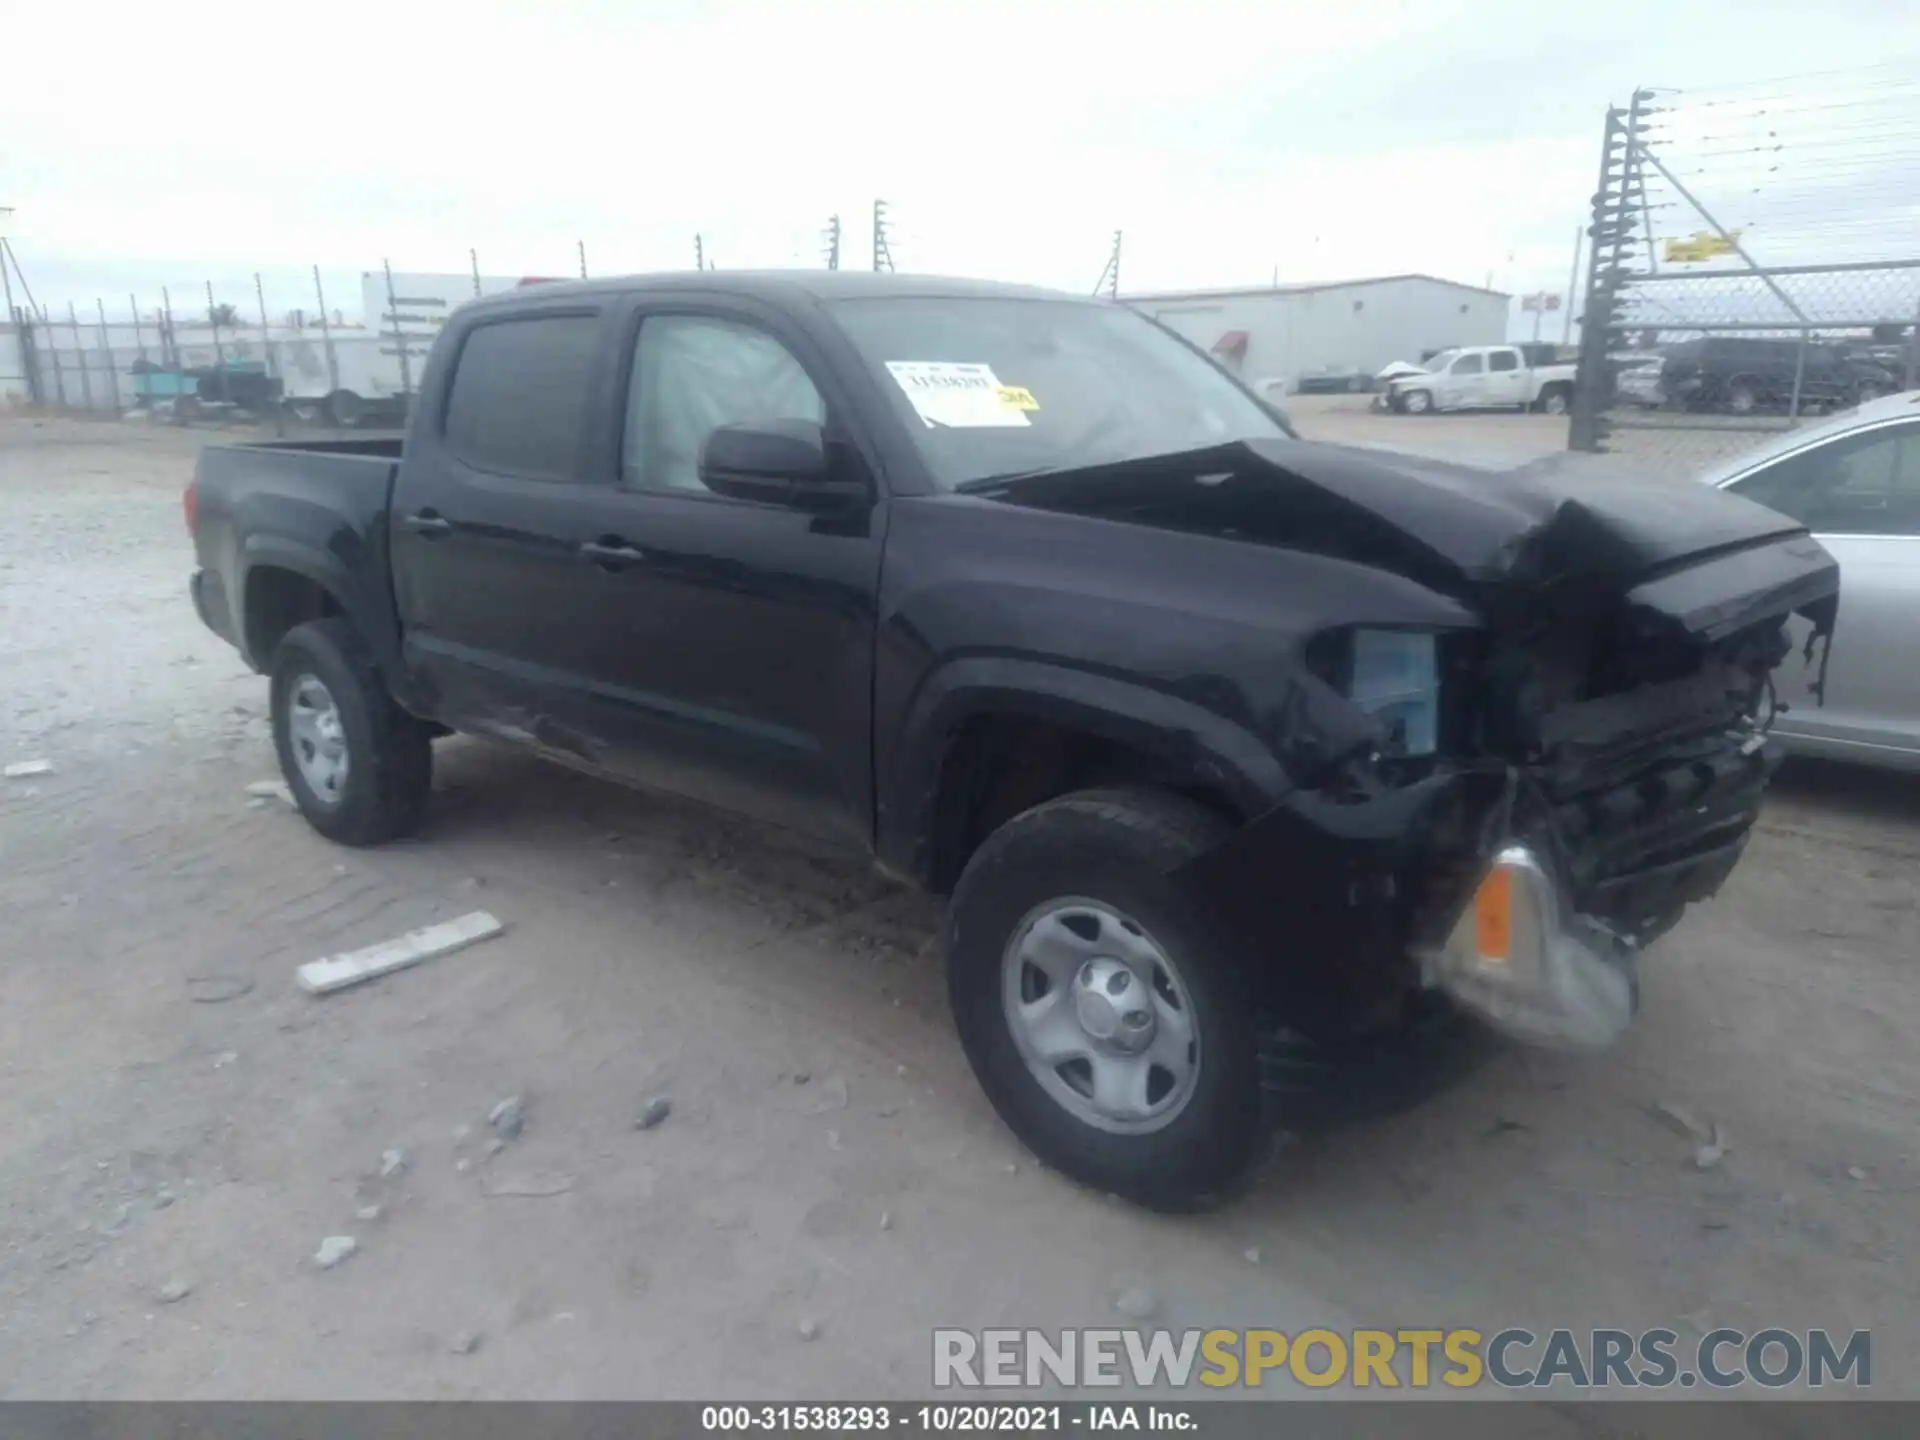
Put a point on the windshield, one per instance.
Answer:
(1436, 363)
(995, 387)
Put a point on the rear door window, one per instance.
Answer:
(520, 393)
(1503, 360)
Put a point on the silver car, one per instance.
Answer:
(1854, 481)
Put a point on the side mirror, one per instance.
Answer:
(776, 462)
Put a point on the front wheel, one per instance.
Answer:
(1105, 1019)
(359, 766)
(1417, 402)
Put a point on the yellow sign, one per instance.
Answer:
(1701, 245)
(1018, 397)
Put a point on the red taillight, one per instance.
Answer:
(190, 506)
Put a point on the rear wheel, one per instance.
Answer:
(1105, 1020)
(359, 766)
(1743, 397)
(1553, 400)
(344, 409)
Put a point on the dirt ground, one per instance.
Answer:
(177, 1114)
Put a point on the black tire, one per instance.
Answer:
(1555, 400)
(1744, 397)
(1118, 847)
(389, 752)
(344, 409)
(1417, 402)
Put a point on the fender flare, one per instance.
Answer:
(1214, 750)
(331, 574)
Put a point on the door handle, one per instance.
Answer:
(610, 552)
(429, 524)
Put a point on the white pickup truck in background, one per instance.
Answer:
(1482, 377)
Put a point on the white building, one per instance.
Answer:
(1283, 332)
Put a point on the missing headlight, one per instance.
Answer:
(1394, 676)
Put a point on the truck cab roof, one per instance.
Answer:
(778, 285)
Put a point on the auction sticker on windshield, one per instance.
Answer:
(956, 394)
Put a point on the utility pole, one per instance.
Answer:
(581, 246)
(699, 252)
(833, 242)
(882, 251)
(1109, 282)
(6, 281)
(1573, 286)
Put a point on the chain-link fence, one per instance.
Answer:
(1755, 263)
(206, 353)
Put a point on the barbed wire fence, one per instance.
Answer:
(1754, 261)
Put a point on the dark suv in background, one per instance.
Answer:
(1744, 374)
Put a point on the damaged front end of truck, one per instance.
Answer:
(1503, 813)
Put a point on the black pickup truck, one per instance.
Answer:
(1219, 741)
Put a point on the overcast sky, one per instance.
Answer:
(143, 145)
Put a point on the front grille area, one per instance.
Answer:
(1636, 852)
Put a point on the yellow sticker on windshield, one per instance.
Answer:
(1018, 397)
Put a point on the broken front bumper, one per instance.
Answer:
(1525, 899)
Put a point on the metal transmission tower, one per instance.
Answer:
(833, 242)
(1619, 210)
(1109, 282)
(882, 252)
(699, 252)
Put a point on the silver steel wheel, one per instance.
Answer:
(1555, 402)
(1100, 1015)
(318, 739)
(1418, 402)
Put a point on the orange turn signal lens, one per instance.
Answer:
(1493, 915)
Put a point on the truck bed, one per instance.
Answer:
(313, 507)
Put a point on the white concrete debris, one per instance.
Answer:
(271, 790)
(21, 769)
(1711, 1153)
(333, 1250)
(337, 972)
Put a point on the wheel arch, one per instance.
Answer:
(283, 583)
(988, 737)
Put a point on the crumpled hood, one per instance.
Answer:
(1528, 523)
(1493, 537)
